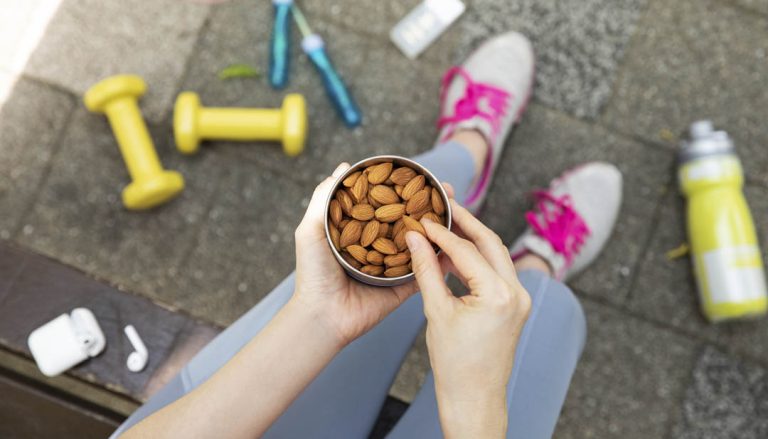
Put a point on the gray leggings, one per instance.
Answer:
(345, 399)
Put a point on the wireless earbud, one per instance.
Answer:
(137, 360)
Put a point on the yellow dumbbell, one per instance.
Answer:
(117, 97)
(193, 123)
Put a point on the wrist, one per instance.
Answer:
(317, 318)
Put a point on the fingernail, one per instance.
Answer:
(412, 240)
(426, 221)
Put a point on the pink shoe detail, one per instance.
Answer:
(468, 107)
(555, 220)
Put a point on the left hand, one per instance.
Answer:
(348, 307)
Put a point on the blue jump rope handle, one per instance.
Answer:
(280, 46)
(336, 89)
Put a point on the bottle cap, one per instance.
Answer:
(703, 140)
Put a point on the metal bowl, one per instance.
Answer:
(397, 160)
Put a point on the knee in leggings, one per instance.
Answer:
(556, 304)
(572, 312)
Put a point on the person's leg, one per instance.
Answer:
(546, 356)
(344, 400)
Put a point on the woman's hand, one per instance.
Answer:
(349, 308)
(471, 339)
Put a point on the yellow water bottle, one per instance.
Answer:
(726, 256)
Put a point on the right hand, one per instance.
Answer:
(471, 339)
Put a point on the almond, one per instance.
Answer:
(401, 176)
(399, 225)
(390, 213)
(418, 215)
(362, 212)
(432, 216)
(385, 246)
(375, 258)
(379, 173)
(418, 202)
(384, 194)
(416, 184)
(398, 271)
(345, 201)
(373, 270)
(351, 179)
(358, 252)
(399, 190)
(360, 189)
(398, 259)
(335, 212)
(413, 225)
(335, 235)
(343, 223)
(438, 206)
(351, 233)
(383, 230)
(351, 261)
(400, 241)
(370, 233)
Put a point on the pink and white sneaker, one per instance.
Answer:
(488, 93)
(573, 219)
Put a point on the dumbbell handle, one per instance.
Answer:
(133, 138)
(240, 123)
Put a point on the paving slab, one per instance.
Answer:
(728, 398)
(31, 122)
(691, 60)
(666, 290)
(548, 143)
(579, 44)
(376, 19)
(398, 110)
(89, 40)
(246, 246)
(239, 32)
(79, 217)
(630, 381)
(370, 16)
(759, 6)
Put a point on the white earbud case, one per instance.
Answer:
(66, 341)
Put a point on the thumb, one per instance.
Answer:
(426, 267)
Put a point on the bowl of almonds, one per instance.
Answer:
(370, 209)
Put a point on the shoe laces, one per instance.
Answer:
(554, 219)
(468, 106)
